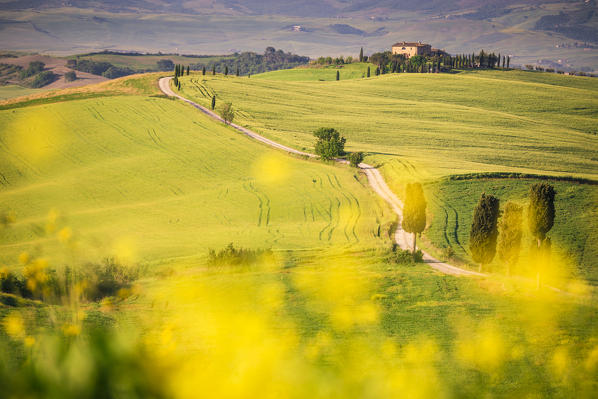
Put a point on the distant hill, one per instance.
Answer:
(322, 8)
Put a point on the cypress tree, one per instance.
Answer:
(214, 69)
(509, 240)
(368, 75)
(540, 211)
(176, 71)
(498, 61)
(508, 61)
(484, 230)
(203, 71)
(213, 102)
(226, 70)
(361, 55)
(188, 69)
(237, 73)
(414, 211)
(377, 71)
(338, 75)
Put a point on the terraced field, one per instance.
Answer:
(150, 179)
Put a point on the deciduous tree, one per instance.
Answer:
(329, 143)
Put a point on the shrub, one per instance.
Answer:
(404, 256)
(70, 76)
(237, 256)
(355, 158)
(115, 72)
(448, 252)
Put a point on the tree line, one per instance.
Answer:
(101, 68)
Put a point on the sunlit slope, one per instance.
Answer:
(151, 178)
(442, 123)
(323, 73)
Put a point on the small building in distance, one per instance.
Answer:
(409, 49)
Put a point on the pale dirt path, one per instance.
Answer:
(377, 182)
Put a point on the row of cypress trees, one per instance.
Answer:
(484, 232)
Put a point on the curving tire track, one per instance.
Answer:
(374, 176)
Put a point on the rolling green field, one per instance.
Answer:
(323, 73)
(154, 179)
(153, 182)
(425, 127)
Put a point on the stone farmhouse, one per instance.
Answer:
(409, 49)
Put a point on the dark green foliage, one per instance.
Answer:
(355, 158)
(338, 75)
(35, 67)
(252, 63)
(508, 61)
(414, 210)
(509, 243)
(105, 69)
(540, 211)
(237, 72)
(377, 71)
(368, 75)
(226, 70)
(165, 65)
(213, 102)
(484, 229)
(361, 55)
(43, 78)
(214, 70)
(231, 256)
(329, 143)
(203, 71)
(116, 72)
(70, 76)
(188, 69)
(227, 113)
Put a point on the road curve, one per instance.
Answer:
(374, 176)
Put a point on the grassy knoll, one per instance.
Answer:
(442, 124)
(153, 179)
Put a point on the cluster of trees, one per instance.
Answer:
(387, 62)
(179, 70)
(70, 76)
(34, 68)
(248, 63)
(484, 233)
(101, 68)
(334, 61)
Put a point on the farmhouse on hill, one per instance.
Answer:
(409, 49)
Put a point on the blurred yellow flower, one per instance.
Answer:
(14, 325)
(65, 234)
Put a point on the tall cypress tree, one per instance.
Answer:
(368, 75)
(213, 102)
(540, 211)
(484, 230)
(188, 69)
(214, 69)
(361, 55)
(226, 70)
(203, 70)
(338, 75)
(508, 61)
(414, 211)
(237, 73)
(509, 239)
(498, 61)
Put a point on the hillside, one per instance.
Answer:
(427, 127)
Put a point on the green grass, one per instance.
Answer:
(440, 124)
(575, 232)
(12, 91)
(154, 179)
(319, 73)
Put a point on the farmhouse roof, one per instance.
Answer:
(409, 44)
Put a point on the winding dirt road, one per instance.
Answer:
(377, 182)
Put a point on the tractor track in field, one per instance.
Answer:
(377, 182)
